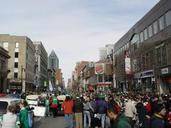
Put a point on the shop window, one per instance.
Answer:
(168, 18)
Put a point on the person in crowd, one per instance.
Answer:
(118, 120)
(87, 108)
(130, 110)
(101, 109)
(142, 114)
(10, 118)
(54, 104)
(47, 100)
(23, 116)
(78, 110)
(158, 119)
(67, 107)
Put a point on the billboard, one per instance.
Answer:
(127, 63)
(99, 68)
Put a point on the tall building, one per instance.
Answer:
(22, 61)
(53, 61)
(142, 55)
(3, 69)
(53, 65)
(41, 66)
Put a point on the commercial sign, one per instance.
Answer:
(127, 63)
(164, 71)
(99, 68)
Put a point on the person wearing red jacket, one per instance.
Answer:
(67, 107)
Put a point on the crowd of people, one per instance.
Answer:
(99, 111)
(118, 111)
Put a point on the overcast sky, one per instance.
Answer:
(74, 29)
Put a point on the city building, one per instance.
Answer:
(59, 80)
(53, 66)
(141, 56)
(41, 71)
(22, 62)
(3, 70)
(77, 77)
(53, 61)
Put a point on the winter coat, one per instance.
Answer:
(101, 106)
(78, 106)
(130, 109)
(23, 117)
(9, 120)
(121, 122)
(157, 121)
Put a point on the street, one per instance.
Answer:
(50, 122)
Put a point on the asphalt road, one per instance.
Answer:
(50, 122)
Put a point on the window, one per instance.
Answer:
(168, 18)
(15, 75)
(16, 44)
(135, 41)
(145, 34)
(150, 31)
(155, 27)
(141, 37)
(161, 55)
(5, 45)
(161, 23)
(16, 54)
(16, 65)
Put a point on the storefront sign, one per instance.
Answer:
(127, 63)
(164, 71)
(99, 68)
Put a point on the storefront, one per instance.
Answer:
(165, 80)
(145, 81)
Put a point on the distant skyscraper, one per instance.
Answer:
(53, 61)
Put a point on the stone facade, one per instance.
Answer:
(22, 61)
(3, 69)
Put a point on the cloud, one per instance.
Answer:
(75, 29)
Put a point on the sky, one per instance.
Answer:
(74, 29)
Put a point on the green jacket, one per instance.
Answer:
(23, 117)
(123, 122)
